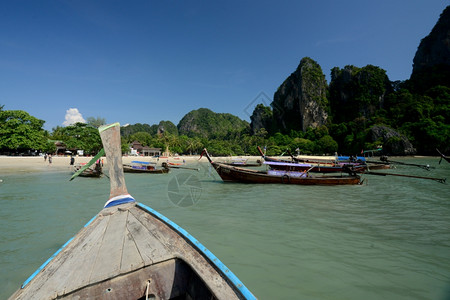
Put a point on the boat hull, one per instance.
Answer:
(89, 172)
(234, 174)
(152, 256)
(324, 168)
(129, 169)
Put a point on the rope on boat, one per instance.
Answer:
(146, 291)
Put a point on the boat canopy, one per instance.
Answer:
(276, 163)
(362, 158)
(142, 162)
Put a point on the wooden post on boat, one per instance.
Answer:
(110, 135)
(205, 152)
(443, 156)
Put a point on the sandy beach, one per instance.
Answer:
(61, 163)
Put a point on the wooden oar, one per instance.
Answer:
(377, 162)
(185, 168)
(426, 167)
(441, 180)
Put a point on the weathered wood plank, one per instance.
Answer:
(131, 258)
(179, 247)
(72, 262)
(83, 254)
(109, 257)
(150, 248)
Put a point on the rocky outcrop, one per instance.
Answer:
(301, 102)
(357, 92)
(208, 124)
(393, 142)
(167, 127)
(432, 60)
(262, 118)
(434, 49)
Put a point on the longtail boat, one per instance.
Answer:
(97, 171)
(335, 165)
(244, 175)
(243, 163)
(144, 167)
(267, 158)
(315, 166)
(130, 251)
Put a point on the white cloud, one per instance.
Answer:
(73, 116)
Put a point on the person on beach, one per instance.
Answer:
(72, 160)
(50, 159)
(45, 157)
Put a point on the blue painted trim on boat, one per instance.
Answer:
(120, 201)
(44, 264)
(52, 257)
(348, 157)
(143, 162)
(227, 272)
(90, 221)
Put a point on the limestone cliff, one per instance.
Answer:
(301, 102)
(432, 60)
(434, 49)
(357, 92)
(262, 117)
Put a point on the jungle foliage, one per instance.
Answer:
(79, 136)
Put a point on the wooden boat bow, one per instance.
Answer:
(130, 251)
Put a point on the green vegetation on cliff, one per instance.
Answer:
(205, 123)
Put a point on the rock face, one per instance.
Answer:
(167, 127)
(300, 102)
(357, 92)
(432, 60)
(435, 48)
(261, 118)
(394, 143)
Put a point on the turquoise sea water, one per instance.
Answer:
(386, 239)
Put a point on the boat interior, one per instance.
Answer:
(171, 279)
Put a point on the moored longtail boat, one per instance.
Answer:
(243, 163)
(314, 166)
(97, 171)
(144, 167)
(267, 158)
(130, 251)
(244, 175)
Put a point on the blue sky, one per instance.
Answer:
(146, 61)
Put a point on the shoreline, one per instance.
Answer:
(10, 164)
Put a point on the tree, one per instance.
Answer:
(95, 122)
(20, 131)
(326, 144)
(142, 137)
(79, 136)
